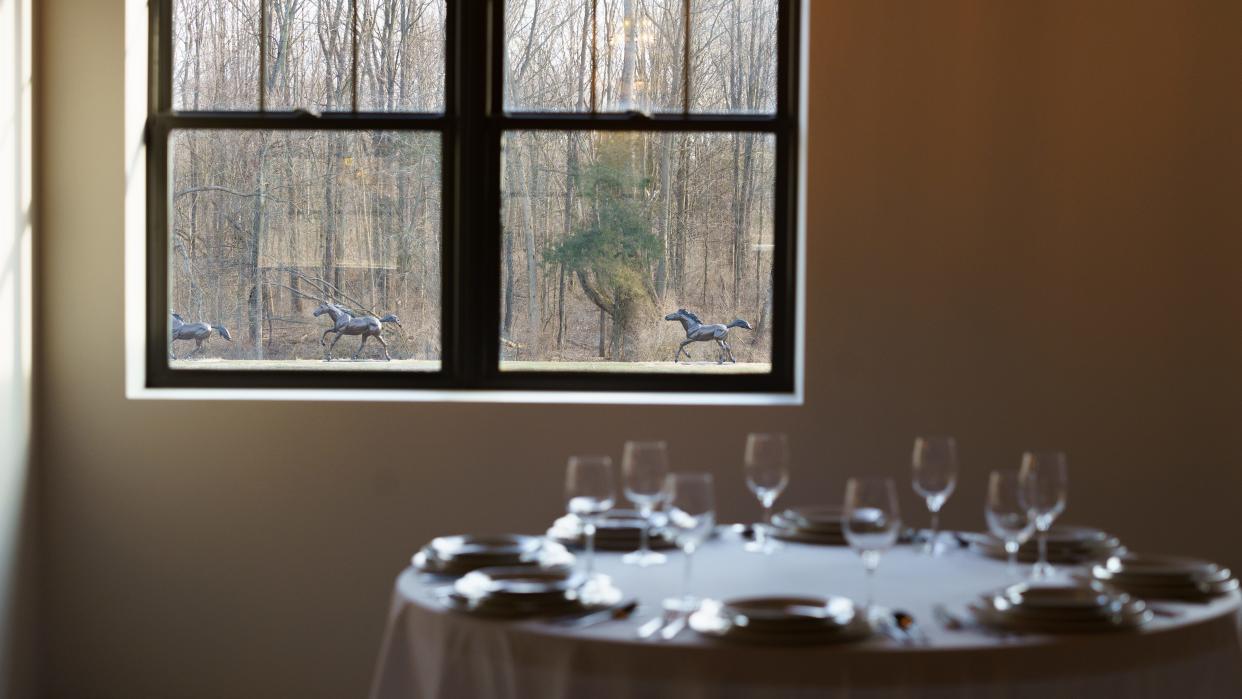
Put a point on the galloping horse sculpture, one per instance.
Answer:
(344, 322)
(198, 332)
(696, 331)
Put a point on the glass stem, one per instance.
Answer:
(1043, 552)
(685, 576)
(642, 537)
(870, 588)
(935, 531)
(761, 531)
(1011, 548)
(589, 528)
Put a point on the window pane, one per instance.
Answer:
(608, 234)
(401, 55)
(266, 226)
(309, 55)
(733, 56)
(639, 55)
(548, 55)
(215, 54)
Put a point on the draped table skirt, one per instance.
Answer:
(431, 653)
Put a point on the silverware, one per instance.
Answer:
(674, 627)
(613, 613)
(652, 626)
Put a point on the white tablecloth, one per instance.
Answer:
(431, 653)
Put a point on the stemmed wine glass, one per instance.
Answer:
(644, 466)
(871, 522)
(691, 518)
(767, 474)
(590, 491)
(1045, 480)
(935, 476)
(1008, 517)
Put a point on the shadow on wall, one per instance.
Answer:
(17, 607)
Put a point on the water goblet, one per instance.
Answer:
(871, 522)
(590, 492)
(691, 519)
(767, 475)
(1008, 517)
(935, 476)
(1045, 481)
(644, 467)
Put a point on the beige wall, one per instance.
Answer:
(1023, 229)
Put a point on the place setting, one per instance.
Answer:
(1060, 607)
(1163, 577)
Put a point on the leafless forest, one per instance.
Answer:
(604, 233)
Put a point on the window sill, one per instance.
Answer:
(466, 396)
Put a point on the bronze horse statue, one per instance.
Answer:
(198, 332)
(346, 322)
(697, 331)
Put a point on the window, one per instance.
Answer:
(520, 194)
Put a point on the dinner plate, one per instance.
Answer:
(1133, 616)
(534, 551)
(1158, 567)
(1057, 596)
(788, 613)
(499, 546)
(825, 518)
(714, 621)
(580, 600)
(526, 582)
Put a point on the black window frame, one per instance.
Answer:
(472, 125)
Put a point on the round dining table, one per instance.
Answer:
(1188, 650)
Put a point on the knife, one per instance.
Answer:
(614, 613)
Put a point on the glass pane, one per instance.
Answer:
(309, 55)
(639, 55)
(401, 55)
(607, 236)
(216, 55)
(733, 56)
(548, 55)
(269, 226)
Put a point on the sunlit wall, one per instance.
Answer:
(15, 338)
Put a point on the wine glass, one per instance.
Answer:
(644, 466)
(691, 519)
(1008, 517)
(1045, 479)
(935, 476)
(871, 522)
(767, 474)
(590, 491)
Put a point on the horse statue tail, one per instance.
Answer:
(223, 331)
(739, 323)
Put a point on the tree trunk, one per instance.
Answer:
(629, 57)
(533, 312)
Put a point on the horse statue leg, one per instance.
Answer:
(729, 350)
(338, 339)
(721, 345)
(682, 348)
(387, 357)
(198, 348)
(361, 345)
(323, 341)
